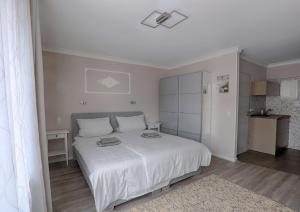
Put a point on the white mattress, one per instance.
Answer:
(138, 165)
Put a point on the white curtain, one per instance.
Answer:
(22, 186)
(39, 80)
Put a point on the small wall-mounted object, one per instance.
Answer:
(204, 89)
(223, 83)
(133, 102)
(265, 88)
(82, 102)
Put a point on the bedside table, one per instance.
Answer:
(59, 135)
(153, 126)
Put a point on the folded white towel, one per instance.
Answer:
(108, 141)
(150, 134)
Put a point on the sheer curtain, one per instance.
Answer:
(39, 80)
(22, 186)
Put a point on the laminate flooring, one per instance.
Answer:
(287, 161)
(70, 192)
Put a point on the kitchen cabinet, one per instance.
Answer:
(289, 89)
(268, 134)
(265, 88)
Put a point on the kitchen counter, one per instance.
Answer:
(268, 134)
(271, 116)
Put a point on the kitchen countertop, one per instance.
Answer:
(277, 116)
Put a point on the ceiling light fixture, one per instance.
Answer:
(168, 20)
(163, 17)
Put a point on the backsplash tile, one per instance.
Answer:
(287, 107)
(257, 102)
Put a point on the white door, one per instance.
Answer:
(244, 102)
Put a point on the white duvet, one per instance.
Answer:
(138, 165)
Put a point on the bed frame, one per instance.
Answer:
(114, 124)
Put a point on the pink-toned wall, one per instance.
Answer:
(248, 72)
(256, 72)
(284, 72)
(224, 105)
(64, 89)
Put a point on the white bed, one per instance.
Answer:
(137, 166)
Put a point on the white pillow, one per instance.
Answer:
(131, 123)
(94, 127)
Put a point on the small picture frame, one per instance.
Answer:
(223, 83)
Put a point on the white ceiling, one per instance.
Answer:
(268, 30)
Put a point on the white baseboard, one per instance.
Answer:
(225, 157)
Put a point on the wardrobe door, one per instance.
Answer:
(190, 106)
(168, 105)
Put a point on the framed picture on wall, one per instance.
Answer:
(223, 83)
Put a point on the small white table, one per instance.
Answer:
(59, 135)
(154, 126)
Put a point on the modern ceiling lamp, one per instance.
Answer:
(168, 20)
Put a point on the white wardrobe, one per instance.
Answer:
(180, 105)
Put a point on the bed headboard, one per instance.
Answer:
(112, 115)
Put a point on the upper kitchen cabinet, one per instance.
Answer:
(265, 88)
(289, 89)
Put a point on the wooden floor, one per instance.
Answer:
(287, 161)
(70, 192)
